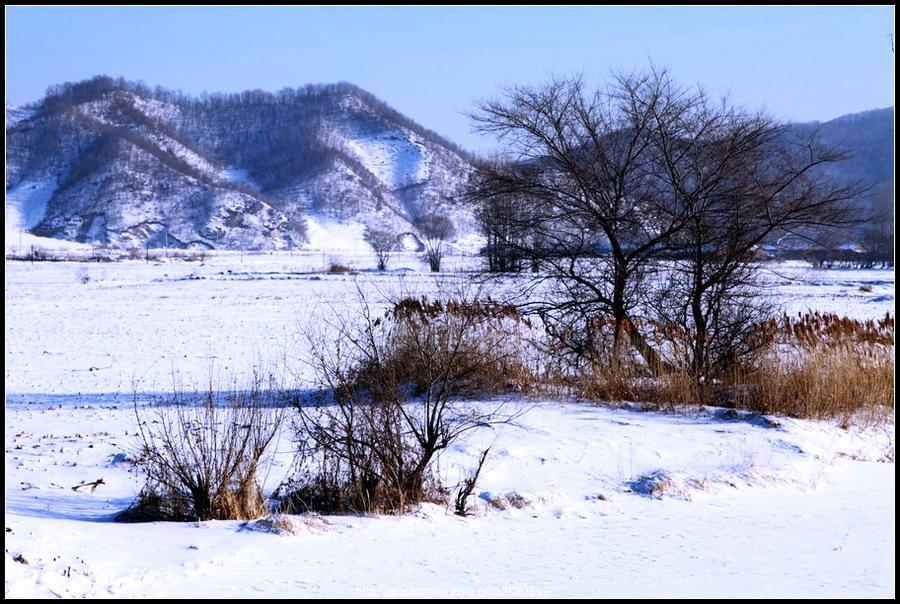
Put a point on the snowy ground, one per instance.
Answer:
(861, 294)
(797, 510)
(753, 507)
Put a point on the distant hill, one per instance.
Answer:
(115, 162)
(868, 136)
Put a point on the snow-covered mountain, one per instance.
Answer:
(115, 162)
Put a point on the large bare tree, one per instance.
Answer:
(587, 161)
(623, 177)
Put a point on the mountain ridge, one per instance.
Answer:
(115, 162)
(131, 166)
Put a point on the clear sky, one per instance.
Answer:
(431, 63)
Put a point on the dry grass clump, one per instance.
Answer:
(188, 255)
(838, 382)
(812, 330)
(631, 382)
(484, 338)
(278, 524)
(820, 365)
(813, 365)
(510, 500)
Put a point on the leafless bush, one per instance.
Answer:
(200, 453)
(335, 265)
(479, 343)
(198, 255)
(468, 485)
(35, 254)
(82, 275)
(391, 384)
(580, 359)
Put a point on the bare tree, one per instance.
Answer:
(746, 180)
(384, 242)
(504, 222)
(621, 178)
(878, 233)
(434, 229)
(585, 160)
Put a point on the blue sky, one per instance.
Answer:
(431, 63)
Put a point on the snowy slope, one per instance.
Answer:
(329, 235)
(15, 114)
(396, 161)
(27, 203)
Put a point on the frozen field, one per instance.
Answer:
(752, 508)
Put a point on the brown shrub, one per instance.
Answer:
(200, 454)
(389, 406)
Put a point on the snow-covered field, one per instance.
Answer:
(748, 506)
(861, 294)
